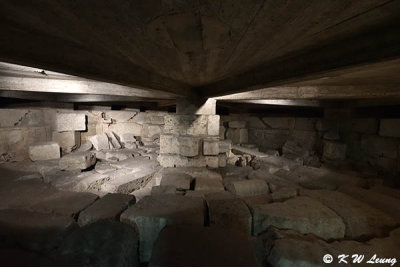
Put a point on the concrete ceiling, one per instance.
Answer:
(325, 48)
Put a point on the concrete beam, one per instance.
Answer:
(373, 45)
(318, 92)
(26, 79)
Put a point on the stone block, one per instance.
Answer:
(100, 142)
(247, 188)
(114, 143)
(209, 185)
(331, 135)
(177, 180)
(376, 146)
(85, 147)
(68, 141)
(126, 128)
(120, 115)
(65, 122)
(169, 144)
(188, 146)
(175, 247)
(279, 122)
(238, 136)
(89, 181)
(222, 160)
(44, 151)
(334, 150)
(199, 126)
(361, 220)
(302, 214)
(284, 193)
(108, 207)
(225, 146)
(152, 213)
(210, 147)
(151, 131)
(167, 160)
(163, 190)
(237, 124)
(222, 131)
(389, 127)
(229, 213)
(212, 161)
(363, 126)
(77, 160)
(305, 124)
(213, 125)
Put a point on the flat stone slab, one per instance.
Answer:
(65, 203)
(70, 122)
(301, 214)
(31, 229)
(44, 151)
(103, 243)
(195, 172)
(100, 141)
(90, 181)
(387, 204)
(361, 220)
(283, 194)
(202, 246)
(246, 188)
(228, 212)
(163, 189)
(178, 180)
(77, 160)
(209, 185)
(152, 213)
(108, 207)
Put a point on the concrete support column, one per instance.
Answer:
(191, 136)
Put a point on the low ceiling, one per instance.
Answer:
(241, 49)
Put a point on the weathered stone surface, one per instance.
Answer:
(279, 122)
(68, 141)
(374, 145)
(103, 167)
(331, 135)
(237, 124)
(225, 146)
(238, 136)
(177, 180)
(65, 203)
(163, 189)
(169, 144)
(389, 127)
(89, 181)
(152, 213)
(167, 160)
(113, 140)
(188, 146)
(100, 142)
(175, 247)
(87, 146)
(222, 131)
(211, 162)
(305, 124)
(222, 160)
(103, 243)
(126, 128)
(364, 126)
(108, 207)
(77, 160)
(229, 213)
(210, 147)
(361, 220)
(213, 125)
(283, 194)
(70, 122)
(334, 150)
(209, 185)
(302, 214)
(384, 190)
(150, 130)
(384, 203)
(44, 151)
(246, 188)
(121, 115)
(32, 230)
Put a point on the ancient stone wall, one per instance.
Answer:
(361, 142)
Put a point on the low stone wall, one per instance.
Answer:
(363, 142)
